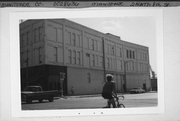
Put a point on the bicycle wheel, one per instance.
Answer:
(121, 106)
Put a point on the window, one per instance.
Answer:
(27, 59)
(101, 61)
(36, 56)
(21, 58)
(95, 45)
(120, 52)
(108, 49)
(69, 56)
(78, 58)
(93, 60)
(108, 63)
(87, 43)
(40, 55)
(91, 44)
(133, 55)
(78, 40)
(112, 50)
(127, 53)
(74, 57)
(133, 68)
(56, 54)
(27, 38)
(22, 40)
(111, 62)
(69, 37)
(121, 63)
(41, 33)
(88, 59)
(36, 36)
(97, 61)
(51, 33)
(130, 54)
(73, 39)
(59, 35)
(100, 46)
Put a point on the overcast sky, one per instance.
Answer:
(139, 30)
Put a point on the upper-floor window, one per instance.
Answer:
(40, 33)
(69, 56)
(101, 61)
(108, 62)
(69, 37)
(73, 39)
(40, 55)
(91, 44)
(127, 53)
(74, 57)
(56, 54)
(93, 60)
(100, 45)
(27, 38)
(59, 33)
(130, 54)
(78, 40)
(24, 39)
(112, 50)
(88, 59)
(95, 45)
(133, 54)
(96, 60)
(36, 35)
(78, 57)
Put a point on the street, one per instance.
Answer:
(92, 101)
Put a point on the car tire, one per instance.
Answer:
(51, 99)
(29, 101)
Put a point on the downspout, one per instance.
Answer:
(104, 64)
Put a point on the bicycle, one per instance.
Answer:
(117, 102)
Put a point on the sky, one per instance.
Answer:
(138, 30)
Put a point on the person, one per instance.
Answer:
(109, 91)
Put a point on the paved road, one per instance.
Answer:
(95, 101)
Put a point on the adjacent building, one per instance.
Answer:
(52, 47)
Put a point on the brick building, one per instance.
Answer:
(53, 46)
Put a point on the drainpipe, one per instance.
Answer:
(104, 64)
(125, 85)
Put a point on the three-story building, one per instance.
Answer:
(52, 46)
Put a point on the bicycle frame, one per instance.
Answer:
(117, 103)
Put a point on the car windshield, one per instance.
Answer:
(33, 89)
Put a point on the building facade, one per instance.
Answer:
(53, 46)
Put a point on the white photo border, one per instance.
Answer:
(15, 17)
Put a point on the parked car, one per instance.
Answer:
(137, 90)
(31, 93)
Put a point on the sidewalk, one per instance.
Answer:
(99, 95)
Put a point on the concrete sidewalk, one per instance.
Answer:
(127, 95)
